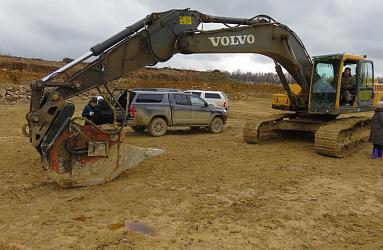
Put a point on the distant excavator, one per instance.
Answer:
(78, 154)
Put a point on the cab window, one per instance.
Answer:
(324, 87)
(325, 79)
(366, 81)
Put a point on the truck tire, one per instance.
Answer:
(216, 125)
(139, 129)
(157, 127)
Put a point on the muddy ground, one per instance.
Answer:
(205, 192)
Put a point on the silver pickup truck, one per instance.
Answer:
(158, 110)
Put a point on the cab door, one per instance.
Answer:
(365, 82)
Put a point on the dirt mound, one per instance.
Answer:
(17, 73)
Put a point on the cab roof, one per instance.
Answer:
(338, 57)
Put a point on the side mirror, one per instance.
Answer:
(206, 104)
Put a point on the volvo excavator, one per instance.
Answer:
(81, 153)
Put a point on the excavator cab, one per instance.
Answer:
(341, 83)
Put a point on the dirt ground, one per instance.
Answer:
(205, 192)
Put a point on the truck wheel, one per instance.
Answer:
(216, 125)
(139, 129)
(157, 127)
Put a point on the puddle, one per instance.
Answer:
(139, 227)
(133, 226)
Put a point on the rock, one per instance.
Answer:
(3, 92)
(124, 240)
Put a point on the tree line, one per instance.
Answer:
(268, 77)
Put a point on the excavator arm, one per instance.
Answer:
(68, 148)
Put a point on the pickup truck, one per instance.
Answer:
(156, 111)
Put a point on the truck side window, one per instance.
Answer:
(212, 96)
(196, 101)
(182, 99)
(150, 98)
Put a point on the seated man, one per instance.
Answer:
(348, 88)
(88, 111)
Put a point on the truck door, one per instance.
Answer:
(365, 84)
(125, 99)
(181, 109)
(200, 111)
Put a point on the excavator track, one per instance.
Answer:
(264, 131)
(342, 137)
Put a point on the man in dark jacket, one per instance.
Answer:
(347, 88)
(103, 114)
(88, 111)
(376, 135)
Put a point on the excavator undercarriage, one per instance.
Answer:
(334, 137)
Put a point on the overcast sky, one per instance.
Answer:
(54, 29)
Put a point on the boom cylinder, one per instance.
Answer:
(234, 20)
(101, 47)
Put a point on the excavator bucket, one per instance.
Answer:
(90, 155)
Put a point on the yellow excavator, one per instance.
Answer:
(80, 154)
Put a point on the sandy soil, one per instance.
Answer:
(205, 192)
